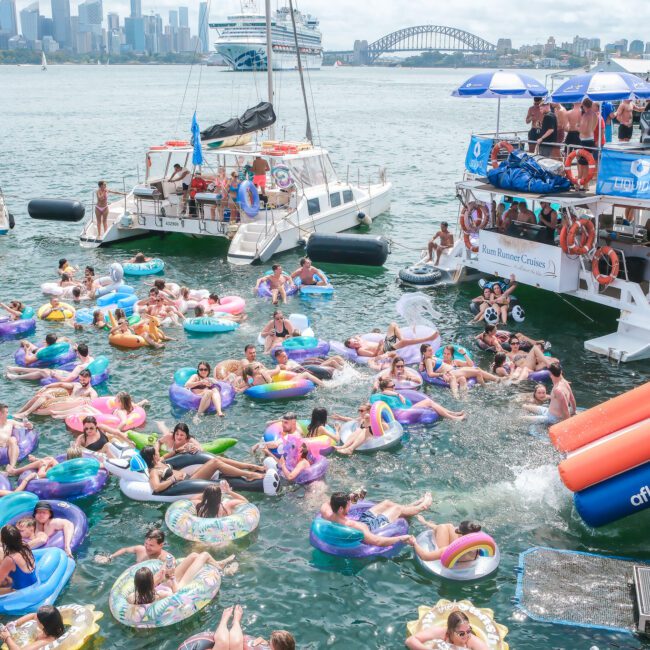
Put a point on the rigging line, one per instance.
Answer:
(589, 318)
(206, 18)
(308, 132)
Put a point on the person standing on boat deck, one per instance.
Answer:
(525, 214)
(446, 242)
(548, 136)
(607, 112)
(548, 219)
(573, 127)
(101, 206)
(624, 117)
(534, 118)
(561, 115)
(199, 184)
(588, 123)
(260, 168)
(184, 177)
(510, 215)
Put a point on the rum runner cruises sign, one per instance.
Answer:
(534, 263)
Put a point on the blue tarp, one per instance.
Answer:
(624, 174)
(478, 155)
(521, 172)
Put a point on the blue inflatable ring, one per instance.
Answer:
(248, 198)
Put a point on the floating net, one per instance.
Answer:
(574, 588)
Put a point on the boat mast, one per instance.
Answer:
(302, 78)
(269, 63)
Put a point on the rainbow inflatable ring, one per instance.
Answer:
(285, 389)
(480, 542)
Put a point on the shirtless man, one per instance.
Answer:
(381, 514)
(276, 281)
(7, 439)
(37, 531)
(534, 117)
(588, 124)
(284, 363)
(184, 177)
(260, 167)
(510, 215)
(623, 116)
(83, 361)
(152, 549)
(562, 404)
(526, 215)
(289, 424)
(573, 118)
(307, 273)
(446, 242)
(392, 341)
(31, 349)
(60, 397)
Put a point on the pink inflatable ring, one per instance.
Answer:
(107, 406)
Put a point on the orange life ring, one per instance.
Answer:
(158, 148)
(177, 143)
(494, 156)
(584, 229)
(591, 166)
(466, 222)
(613, 260)
(468, 243)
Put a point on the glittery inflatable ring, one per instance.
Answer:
(282, 176)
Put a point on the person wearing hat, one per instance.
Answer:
(38, 530)
(446, 242)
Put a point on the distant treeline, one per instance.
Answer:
(24, 57)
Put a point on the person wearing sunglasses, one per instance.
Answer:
(276, 331)
(458, 632)
(387, 393)
(533, 360)
(361, 433)
(203, 384)
(402, 376)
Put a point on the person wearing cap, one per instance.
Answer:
(534, 117)
(446, 242)
(37, 531)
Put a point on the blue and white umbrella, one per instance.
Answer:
(197, 154)
(602, 86)
(499, 83)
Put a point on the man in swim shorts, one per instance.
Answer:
(562, 405)
(381, 514)
(277, 279)
(446, 242)
(534, 117)
(588, 124)
(260, 167)
(308, 274)
(624, 118)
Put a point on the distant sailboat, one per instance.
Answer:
(43, 61)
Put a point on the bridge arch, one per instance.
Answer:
(428, 37)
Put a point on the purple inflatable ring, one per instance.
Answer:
(62, 510)
(4, 482)
(60, 360)
(410, 415)
(264, 290)
(321, 537)
(437, 381)
(95, 380)
(540, 375)
(11, 328)
(27, 441)
(46, 489)
(185, 399)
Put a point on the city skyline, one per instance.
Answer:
(343, 21)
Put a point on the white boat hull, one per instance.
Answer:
(245, 57)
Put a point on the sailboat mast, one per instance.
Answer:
(302, 78)
(269, 63)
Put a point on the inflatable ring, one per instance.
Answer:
(227, 304)
(186, 602)
(381, 417)
(591, 163)
(52, 351)
(612, 255)
(585, 231)
(80, 623)
(248, 198)
(182, 520)
(481, 567)
(345, 541)
(153, 266)
(281, 389)
(44, 488)
(391, 438)
(216, 446)
(27, 440)
(420, 274)
(467, 222)
(62, 312)
(205, 641)
(484, 626)
(480, 542)
(282, 176)
(496, 149)
(407, 414)
(24, 325)
(53, 570)
(317, 467)
(264, 290)
(469, 244)
(59, 360)
(74, 470)
(208, 325)
(318, 445)
(184, 398)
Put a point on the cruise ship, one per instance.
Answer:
(241, 40)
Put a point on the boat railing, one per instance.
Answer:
(519, 140)
(382, 176)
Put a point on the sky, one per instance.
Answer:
(343, 21)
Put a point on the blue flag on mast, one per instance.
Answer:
(197, 155)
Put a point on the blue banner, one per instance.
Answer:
(478, 155)
(624, 174)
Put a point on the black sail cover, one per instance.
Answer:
(254, 119)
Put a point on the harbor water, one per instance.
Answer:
(64, 129)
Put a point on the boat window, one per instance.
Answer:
(313, 170)
(347, 196)
(335, 199)
(313, 206)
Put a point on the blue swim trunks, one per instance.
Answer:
(373, 521)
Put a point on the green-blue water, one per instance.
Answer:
(64, 129)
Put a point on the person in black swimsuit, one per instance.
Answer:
(95, 439)
(548, 219)
(276, 331)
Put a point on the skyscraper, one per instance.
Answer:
(29, 22)
(173, 19)
(8, 21)
(61, 18)
(113, 21)
(183, 17)
(203, 27)
(136, 8)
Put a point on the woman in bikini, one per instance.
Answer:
(101, 207)
(276, 331)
